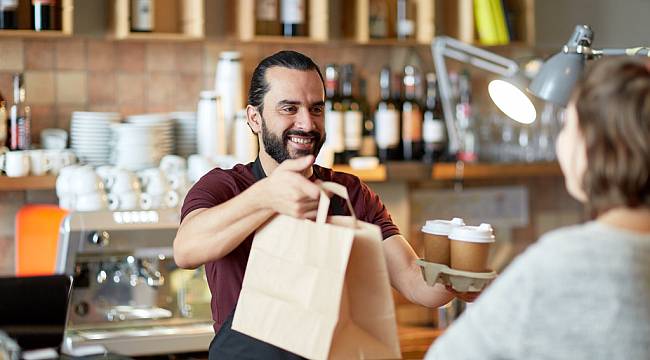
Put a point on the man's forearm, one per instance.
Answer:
(212, 233)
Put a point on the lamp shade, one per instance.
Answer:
(557, 77)
(509, 97)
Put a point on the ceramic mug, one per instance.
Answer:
(15, 163)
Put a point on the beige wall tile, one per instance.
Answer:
(101, 88)
(189, 58)
(187, 92)
(130, 56)
(43, 117)
(161, 57)
(100, 55)
(39, 87)
(71, 54)
(160, 88)
(39, 55)
(131, 109)
(12, 55)
(130, 89)
(71, 87)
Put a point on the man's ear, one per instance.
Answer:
(254, 119)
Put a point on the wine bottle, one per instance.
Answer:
(44, 15)
(353, 115)
(8, 14)
(411, 117)
(266, 17)
(434, 131)
(293, 14)
(368, 145)
(405, 19)
(19, 118)
(142, 15)
(387, 120)
(334, 115)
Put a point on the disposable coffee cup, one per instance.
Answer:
(436, 241)
(470, 246)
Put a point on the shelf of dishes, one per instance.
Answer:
(381, 173)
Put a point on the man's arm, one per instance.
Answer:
(209, 234)
(406, 276)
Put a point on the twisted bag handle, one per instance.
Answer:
(324, 201)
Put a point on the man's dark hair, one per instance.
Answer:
(286, 59)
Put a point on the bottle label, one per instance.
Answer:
(353, 129)
(433, 130)
(8, 5)
(387, 128)
(266, 10)
(335, 131)
(142, 15)
(293, 11)
(412, 125)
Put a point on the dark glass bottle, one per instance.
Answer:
(8, 14)
(19, 118)
(411, 117)
(266, 17)
(334, 115)
(434, 131)
(468, 151)
(353, 114)
(368, 145)
(387, 121)
(44, 15)
(293, 14)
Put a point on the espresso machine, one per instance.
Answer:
(128, 296)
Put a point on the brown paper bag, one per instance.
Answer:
(320, 290)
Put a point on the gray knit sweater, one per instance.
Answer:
(580, 292)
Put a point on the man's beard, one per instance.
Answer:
(277, 147)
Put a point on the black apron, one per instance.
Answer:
(231, 344)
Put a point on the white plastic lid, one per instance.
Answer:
(442, 227)
(477, 234)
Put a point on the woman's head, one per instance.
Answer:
(604, 146)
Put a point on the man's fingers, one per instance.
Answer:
(298, 164)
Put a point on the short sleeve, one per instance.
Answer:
(214, 188)
(371, 209)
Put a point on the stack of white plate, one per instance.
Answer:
(90, 136)
(185, 126)
(142, 141)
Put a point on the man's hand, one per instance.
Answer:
(289, 192)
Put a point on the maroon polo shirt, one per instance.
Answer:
(225, 276)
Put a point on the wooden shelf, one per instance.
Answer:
(46, 182)
(174, 20)
(34, 34)
(156, 36)
(447, 171)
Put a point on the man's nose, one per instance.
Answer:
(304, 120)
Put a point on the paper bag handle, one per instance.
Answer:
(324, 201)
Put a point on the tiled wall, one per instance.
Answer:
(63, 75)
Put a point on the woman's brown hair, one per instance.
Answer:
(613, 107)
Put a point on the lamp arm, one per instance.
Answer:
(446, 47)
(636, 51)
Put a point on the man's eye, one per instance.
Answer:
(317, 110)
(289, 109)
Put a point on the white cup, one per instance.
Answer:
(129, 200)
(15, 163)
(64, 183)
(55, 139)
(154, 181)
(59, 159)
(93, 201)
(172, 164)
(68, 202)
(39, 163)
(125, 181)
(198, 166)
(86, 181)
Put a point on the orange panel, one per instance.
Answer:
(37, 235)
